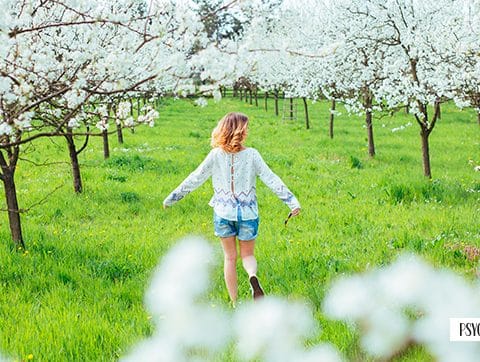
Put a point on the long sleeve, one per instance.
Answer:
(274, 182)
(192, 182)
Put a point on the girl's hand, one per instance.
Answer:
(296, 211)
(165, 206)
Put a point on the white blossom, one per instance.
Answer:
(5, 129)
(123, 110)
(201, 102)
(182, 323)
(433, 296)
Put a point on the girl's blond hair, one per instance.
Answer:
(231, 132)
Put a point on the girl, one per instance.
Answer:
(233, 168)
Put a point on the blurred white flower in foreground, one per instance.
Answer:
(275, 329)
(183, 325)
(406, 302)
(187, 329)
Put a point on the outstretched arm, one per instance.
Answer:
(275, 184)
(193, 181)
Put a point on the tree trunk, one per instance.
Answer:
(138, 106)
(371, 145)
(291, 108)
(367, 104)
(478, 118)
(275, 94)
(131, 106)
(332, 117)
(425, 152)
(77, 178)
(12, 206)
(106, 148)
(256, 98)
(266, 101)
(119, 133)
(241, 95)
(250, 94)
(307, 121)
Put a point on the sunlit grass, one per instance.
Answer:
(76, 294)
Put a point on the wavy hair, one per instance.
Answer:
(231, 132)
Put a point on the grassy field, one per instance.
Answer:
(76, 293)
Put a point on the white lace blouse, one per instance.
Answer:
(233, 177)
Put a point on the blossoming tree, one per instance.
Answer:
(59, 59)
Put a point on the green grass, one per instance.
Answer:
(76, 294)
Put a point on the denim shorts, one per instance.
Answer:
(242, 229)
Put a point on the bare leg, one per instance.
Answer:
(229, 246)
(250, 265)
(248, 259)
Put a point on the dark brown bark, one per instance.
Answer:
(13, 210)
(368, 120)
(266, 101)
(332, 116)
(250, 95)
(307, 121)
(426, 126)
(425, 129)
(8, 179)
(256, 98)
(77, 178)
(424, 133)
(275, 94)
(291, 108)
(371, 144)
(131, 106)
(241, 94)
(119, 133)
(138, 106)
(106, 148)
